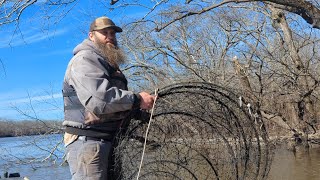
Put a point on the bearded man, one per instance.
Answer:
(96, 101)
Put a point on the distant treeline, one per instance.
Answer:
(10, 128)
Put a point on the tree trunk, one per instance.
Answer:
(304, 109)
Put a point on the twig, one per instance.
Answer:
(146, 135)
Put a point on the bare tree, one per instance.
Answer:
(276, 72)
(11, 10)
(277, 65)
(308, 10)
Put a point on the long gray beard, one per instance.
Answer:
(114, 55)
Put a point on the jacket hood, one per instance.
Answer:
(86, 45)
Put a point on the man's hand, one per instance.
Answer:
(146, 100)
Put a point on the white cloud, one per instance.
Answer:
(49, 106)
(28, 37)
(7, 103)
(37, 98)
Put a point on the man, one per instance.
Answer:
(96, 101)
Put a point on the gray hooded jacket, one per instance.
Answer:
(96, 97)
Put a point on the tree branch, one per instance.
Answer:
(309, 12)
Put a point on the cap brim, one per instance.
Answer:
(116, 28)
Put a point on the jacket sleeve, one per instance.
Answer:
(90, 80)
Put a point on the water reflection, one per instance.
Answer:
(302, 165)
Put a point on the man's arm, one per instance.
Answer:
(90, 80)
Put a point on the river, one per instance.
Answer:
(302, 165)
(26, 155)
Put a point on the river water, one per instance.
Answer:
(302, 165)
(29, 156)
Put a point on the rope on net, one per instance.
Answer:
(198, 131)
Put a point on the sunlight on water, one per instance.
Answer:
(27, 155)
(28, 148)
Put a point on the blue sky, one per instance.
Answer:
(34, 58)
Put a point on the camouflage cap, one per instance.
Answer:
(104, 22)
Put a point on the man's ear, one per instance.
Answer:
(91, 36)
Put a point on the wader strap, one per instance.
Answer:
(90, 133)
(73, 107)
(68, 94)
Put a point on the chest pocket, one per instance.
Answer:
(114, 75)
(119, 80)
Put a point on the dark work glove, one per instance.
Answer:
(141, 115)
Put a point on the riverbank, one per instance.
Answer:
(292, 142)
(10, 128)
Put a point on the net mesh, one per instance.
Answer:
(198, 131)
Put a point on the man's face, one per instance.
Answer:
(105, 36)
(106, 41)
